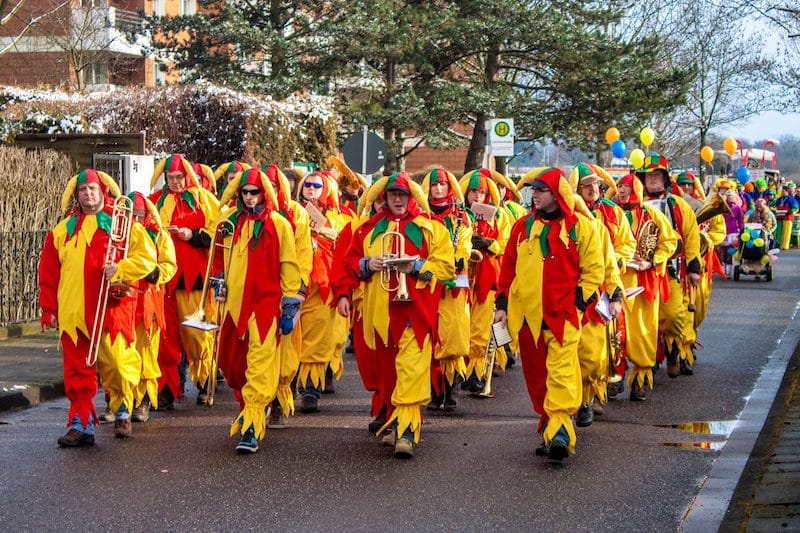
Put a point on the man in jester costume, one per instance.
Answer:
(150, 305)
(683, 270)
(72, 269)
(188, 212)
(401, 332)
(488, 237)
(445, 198)
(289, 348)
(785, 207)
(261, 299)
(225, 173)
(618, 246)
(551, 270)
(647, 269)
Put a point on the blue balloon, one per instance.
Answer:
(749, 243)
(618, 148)
(732, 250)
(743, 175)
(755, 233)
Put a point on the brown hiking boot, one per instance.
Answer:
(122, 428)
(75, 438)
(403, 448)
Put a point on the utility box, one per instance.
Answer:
(131, 172)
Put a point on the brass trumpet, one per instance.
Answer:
(198, 318)
(118, 241)
(393, 248)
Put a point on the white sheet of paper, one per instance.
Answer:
(501, 334)
(633, 291)
(603, 307)
(462, 281)
(484, 211)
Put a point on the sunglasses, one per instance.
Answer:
(308, 185)
(250, 192)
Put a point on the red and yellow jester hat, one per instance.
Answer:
(583, 171)
(556, 181)
(151, 219)
(652, 162)
(399, 181)
(330, 192)
(438, 174)
(230, 166)
(108, 187)
(637, 189)
(206, 176)
(251, 176)
(511, 189)
(173, 163)
(481, 179)
(282, 188)
(687, 177)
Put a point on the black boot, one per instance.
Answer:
(585, 416)
(450, 394)
(686, 368)
(673, 366)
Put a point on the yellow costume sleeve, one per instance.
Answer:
(690, 233)
(590, 256)
(464, 243)
(611, 278)
(209, 205)
(290, 270)
(623, 240)
(440, 260)
(302, 241)
(504, 223)
(141, 259)
(167, 263)
(716, 230)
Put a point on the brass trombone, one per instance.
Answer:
(393, 248)
(198, 318)
(118, 241)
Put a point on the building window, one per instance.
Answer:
(160, 73)
(96, 74)
(187, 7)
(158, 8)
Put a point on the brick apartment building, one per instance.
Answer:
(97, 29)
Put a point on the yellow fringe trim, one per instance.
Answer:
(313, 372)
(254, 416)
(476, 365)
(599, 387)
(337, 367)
(453, 366)
(407, 417)
(643, 375)
(200, 369)
(557, 420)
(501, 358)
(687, 354)
(285, 398)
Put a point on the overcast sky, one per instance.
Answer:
(770, 124)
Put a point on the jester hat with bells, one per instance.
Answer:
(399, 181)
(255, 177)
(108, 187)
(637, 190)
(282, 188)
(481, 179)
(437, 175)
(685, 178)
(511, 189)
(175, 163)
(206, 176)
(587, 172)
(555, 180)
(346, 175)
(142, 207)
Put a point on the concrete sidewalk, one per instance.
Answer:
(30, 366)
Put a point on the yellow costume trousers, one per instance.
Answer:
(673, 317)
(289, 351)
(785, 229)
(454, 334)
(341, 329)
(261, 379)
(197, 344)
(318, 323)
(641, 325)
(593, 357)
(480, 324)
(147, 348)
(119, 366)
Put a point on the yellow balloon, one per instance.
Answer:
(729, 145)
(737, 256)
(612, 134)
(707, 154)
(647, 136)
(764, 259)
(758, 242)
(636, 158)
(745, 237)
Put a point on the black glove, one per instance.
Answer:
(459, 264)
(617, 296)
(580, 303)
(693, 267)
(481, 244)
(152, 277)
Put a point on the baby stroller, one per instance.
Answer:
(752, 257)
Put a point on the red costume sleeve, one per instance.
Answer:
(49, 276)
(343, 283)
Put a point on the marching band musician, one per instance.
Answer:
(444, 194)
(188, 211)
(618, 246)
(225, 173)
(261, 296)
(289, 347)
(205, 174)
(150, 306)
(683, 270)
(551, 270)
(656, 242)
(488, 238)
(72, 269)
(400, 328)
(318, 322)
(712, 233)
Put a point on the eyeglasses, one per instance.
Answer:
(250, 192)
(308, 185)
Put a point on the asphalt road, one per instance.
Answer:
(475, 470)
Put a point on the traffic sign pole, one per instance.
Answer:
(364, 150)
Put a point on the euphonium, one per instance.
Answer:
(393, 246)
(118, 240)
(647, 240)
(475, 257)
(714, 205)
(198, 318)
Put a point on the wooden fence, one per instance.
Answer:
(19, 264)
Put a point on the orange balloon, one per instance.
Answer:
(707, 154)
(729, 145)
(612, 134)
